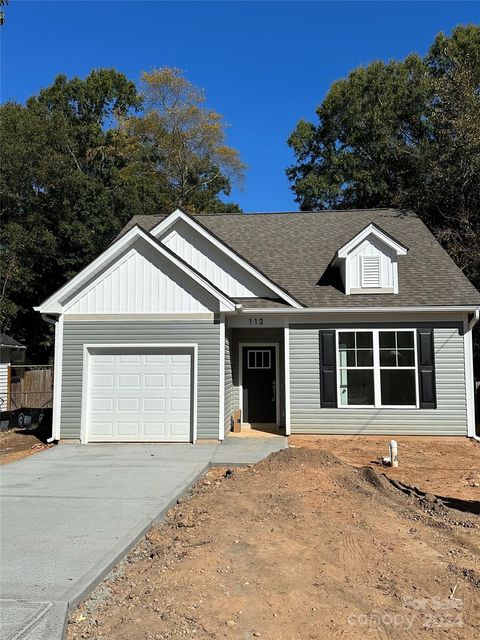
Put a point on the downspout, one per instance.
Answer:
(471, 324)
(54, 323)
(474, 320)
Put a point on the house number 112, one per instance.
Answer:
(255, 321)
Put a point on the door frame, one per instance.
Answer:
(113, 346)
(259, 345)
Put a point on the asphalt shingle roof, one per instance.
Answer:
(7, 341)
(295, 251)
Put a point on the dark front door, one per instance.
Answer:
(259, 392)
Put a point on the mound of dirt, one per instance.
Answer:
(300, 546)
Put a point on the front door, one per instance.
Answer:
(259, 384)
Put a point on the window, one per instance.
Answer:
(377, 368)
(370, 272)
(356, 368)
(397, 367)
(257, 359)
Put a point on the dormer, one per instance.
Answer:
(368, 263)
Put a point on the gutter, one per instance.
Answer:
(321, 310)
(474, 320)
(54, 322)
(471, 324)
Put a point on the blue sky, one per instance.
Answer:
(264, 65)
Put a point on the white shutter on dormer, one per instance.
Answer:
(370, 272)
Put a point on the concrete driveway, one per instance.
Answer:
(70, 513)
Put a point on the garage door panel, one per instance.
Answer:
(102, 405)
(179, 380)
(130, 358)
(176, 428)
(155, 357)
(100, 380)
(153, 381)
(128, 404)
(128, 429)
(129, 381)
(102, 428)
(154, 428)
(140, 397)
(154, 404)
(178, 404)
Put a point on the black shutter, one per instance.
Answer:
(328, 369)
(426, 369)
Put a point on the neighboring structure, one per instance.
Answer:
(11, 352)
(340, 322)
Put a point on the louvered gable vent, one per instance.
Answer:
(371, 275)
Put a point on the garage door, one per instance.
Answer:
(140, 397)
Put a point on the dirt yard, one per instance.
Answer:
(16, 444)
(302, 546)
(445, 466)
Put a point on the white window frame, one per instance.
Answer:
(376, 370)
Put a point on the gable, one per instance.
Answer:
(294, 251)
(141, 281)
(217, 260)
(149, 263)
(371, 264)
(368, 262)
(211, 262)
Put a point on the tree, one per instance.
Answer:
(403, 134)
(3, 3)
(182, 143)
(73, 172)
(62, 198)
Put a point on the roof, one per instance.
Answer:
(7, 341)
(295, 250)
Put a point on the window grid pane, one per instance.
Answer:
(258, 359)
(396, 368)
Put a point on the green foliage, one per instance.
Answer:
(184, 142)
(403, 134)
(3, 3)
(72, 174)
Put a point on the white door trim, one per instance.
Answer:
(112, 346)
(277, 375)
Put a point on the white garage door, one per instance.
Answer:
(140, 397)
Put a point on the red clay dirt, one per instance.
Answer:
(16, 444)
(301, 546)
(445, 466)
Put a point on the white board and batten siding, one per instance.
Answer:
(307, 416)
(370, 265)
(212, 263)
(141, 281)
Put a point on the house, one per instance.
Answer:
(11, 352)
(338, 322)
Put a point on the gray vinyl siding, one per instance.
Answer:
(258, 336)
(205, 333)
(307, 416)
(228, 381)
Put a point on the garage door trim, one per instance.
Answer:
(88, 350)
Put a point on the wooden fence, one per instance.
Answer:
(30, 387)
